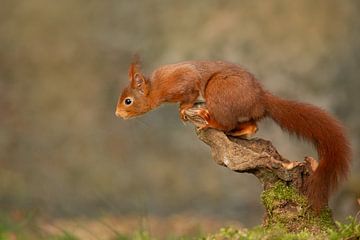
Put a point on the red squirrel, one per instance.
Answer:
(235, 101)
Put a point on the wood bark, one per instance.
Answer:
(256, 156)
(283, 181)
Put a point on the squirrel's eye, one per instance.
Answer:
(128, 101)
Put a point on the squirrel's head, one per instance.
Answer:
(134, 99)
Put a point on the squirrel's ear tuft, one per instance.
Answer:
(140, 83)
(135, 67)
(136, 77)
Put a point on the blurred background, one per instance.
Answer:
(64, 154)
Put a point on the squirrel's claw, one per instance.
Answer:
(183, 115)
(198, 116)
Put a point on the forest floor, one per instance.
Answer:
(17, 226)
(183, 226)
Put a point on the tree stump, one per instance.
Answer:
(283, 181)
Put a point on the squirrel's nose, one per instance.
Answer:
(117, 113)
(121, 114)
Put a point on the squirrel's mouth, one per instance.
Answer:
(122, 114)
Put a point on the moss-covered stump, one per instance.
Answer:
(283, 180)
(287, 208)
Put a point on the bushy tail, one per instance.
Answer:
(327, 135)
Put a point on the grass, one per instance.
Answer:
(349, 230)
(27, 228)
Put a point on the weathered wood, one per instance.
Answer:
(256, 156)
(283, 181)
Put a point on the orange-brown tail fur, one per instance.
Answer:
(327, 135)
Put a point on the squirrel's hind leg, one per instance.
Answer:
(244, 129)
(201, 118)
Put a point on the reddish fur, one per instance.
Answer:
(327, 135)
(233, 95)
(134, 66)
(240, 98)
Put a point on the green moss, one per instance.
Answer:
(258, 233)
(279, 193)
(287, 208)
(275, 198)
(348, 230)
(324, 219)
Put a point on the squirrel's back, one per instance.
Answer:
(199, 72)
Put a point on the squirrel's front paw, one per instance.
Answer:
(183, 115)
(198, 116)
